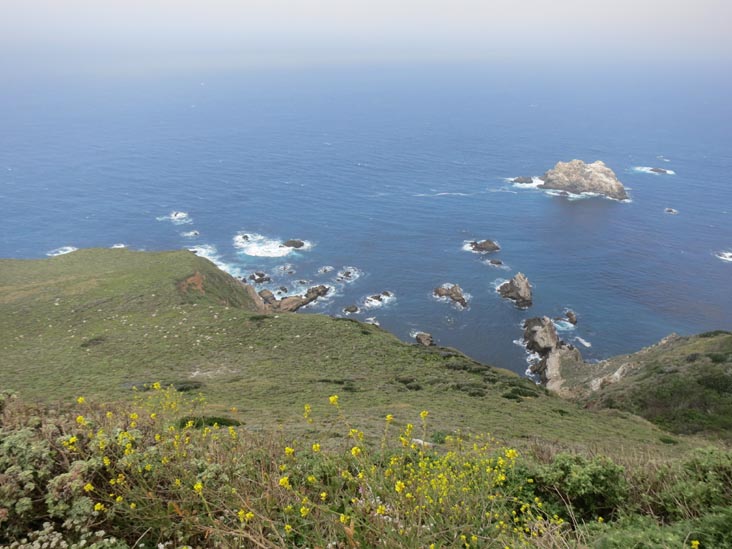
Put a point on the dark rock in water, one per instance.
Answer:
(386, 293)
(660, 170)
(517, 289)
(484, 246)
(259, 277)
(571, 317)
(496, 262)
(454, 292)
(671, 211)
(351, 309)
(423, 338)
(293, 243)
(244, 237)
(268, 297)
(576, 177)
(522, 180)
(293, 303)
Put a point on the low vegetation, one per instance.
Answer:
(97, 475)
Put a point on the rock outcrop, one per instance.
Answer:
(453, 292)
(351, 309)
(576, 177)
(540, 337)
(270, 304)
(484, 246)
(662, 171)
(259, 277)
(518, 290)
(423, 338)
(293, 243)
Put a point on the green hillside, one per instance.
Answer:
(683, 384)
(99, 322)
(147, 400)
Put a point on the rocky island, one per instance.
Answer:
(578, 177)
(517, 290)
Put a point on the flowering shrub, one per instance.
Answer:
(158, 472)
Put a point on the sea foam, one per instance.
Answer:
(177, 217)
(649, 170)
(61, 251)
(257, 245)
(724, 256)
(210, 252)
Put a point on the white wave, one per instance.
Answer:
(724, 256)
(498, 282)
(563, 325)
(376, 301)
(671, 211)
(536, 183)
(177, 217)
(257, 245)
(210, 252)
(583, 342)
(349, 274)
(288, 268)
(424, 195)
(661, 157)
(118, 246)
(326, 269)
(372, 320)
(61, 251)
(649, 170)
(190, 234)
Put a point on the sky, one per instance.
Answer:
(150, 34)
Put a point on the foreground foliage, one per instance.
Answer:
(157, 472)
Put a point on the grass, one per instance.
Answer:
(683, 385)
(101, 322)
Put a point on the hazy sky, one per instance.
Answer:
(211, 33)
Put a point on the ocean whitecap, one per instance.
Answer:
(326, 269)
(257, 245)
(535, 182)
(379, 300)
(210, 252)
(653, 171)
(61, 251)
(348, 274)
(372, 320)
(583, 342)
(177, 217)
(190, 234)
(724, 256)
(118, 246)
(563, 325)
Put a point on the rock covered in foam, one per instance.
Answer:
(484, 246)
(518, 290)
(423, 338)
(577, 177)
(453, 292)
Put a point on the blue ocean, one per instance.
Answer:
(385, 173)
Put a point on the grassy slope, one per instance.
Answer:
(683, 384)
(96, 322)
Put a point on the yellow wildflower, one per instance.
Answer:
(88, 487)
(356, 451)
(285, 483)
(399, 486)
(695, 544)
(133, 505)
(304, 511)
(423, 414)
(99, 507)
(333, 400)
(316, 447)
(323, 496)
(288, 528)
(80, 400)
(289, 451)
(81, 420)
(198, 487)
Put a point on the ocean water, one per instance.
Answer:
(385, 173)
